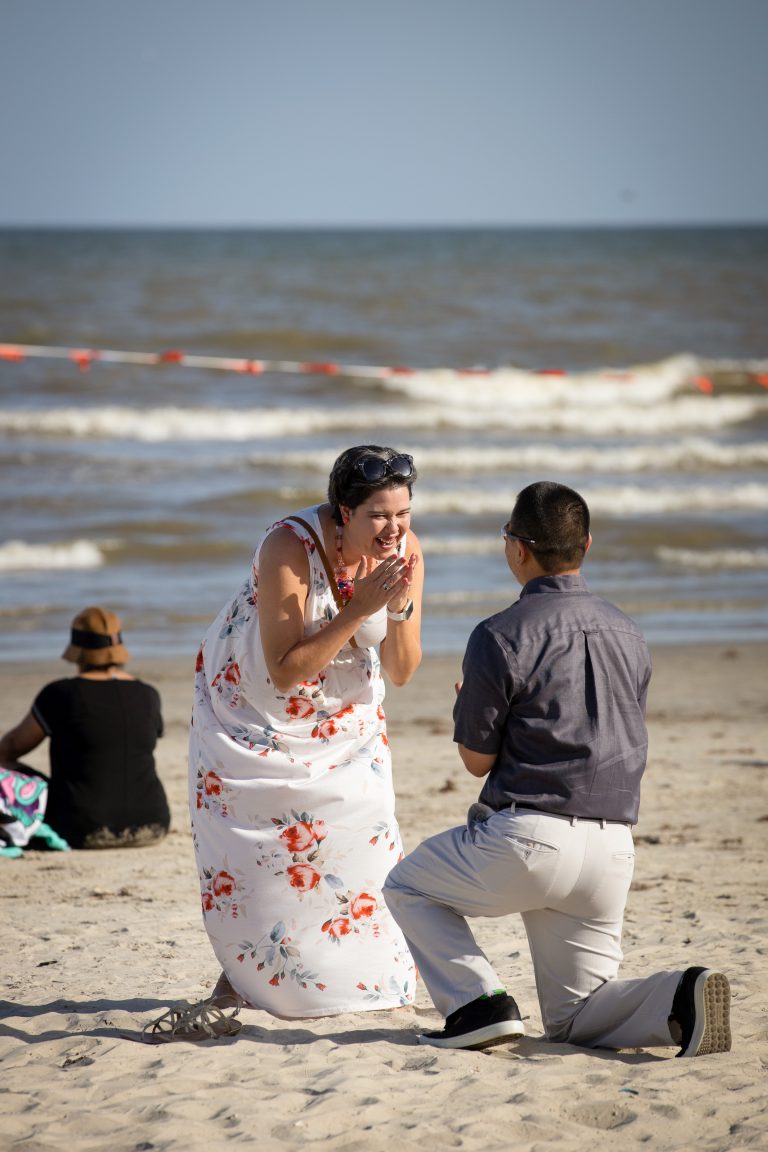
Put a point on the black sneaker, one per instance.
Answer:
(482, 1023)
(701, 1007)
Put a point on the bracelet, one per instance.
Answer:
(406, 613)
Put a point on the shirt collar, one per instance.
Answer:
(555, 584)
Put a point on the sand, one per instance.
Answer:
(94, 945)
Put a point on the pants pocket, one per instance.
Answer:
(531, 850)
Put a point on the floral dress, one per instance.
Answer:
(293, 812)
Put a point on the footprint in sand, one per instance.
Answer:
(602, 1116)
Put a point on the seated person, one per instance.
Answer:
(103, 725)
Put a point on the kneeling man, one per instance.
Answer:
(551, 714)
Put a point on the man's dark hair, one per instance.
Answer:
(557, 519)
(347, 486)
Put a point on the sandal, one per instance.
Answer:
(186, 1021)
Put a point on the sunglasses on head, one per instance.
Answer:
(373, 468)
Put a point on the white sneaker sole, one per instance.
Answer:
(712, 1005)
(486, 1037)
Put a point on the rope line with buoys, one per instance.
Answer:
(85, 357)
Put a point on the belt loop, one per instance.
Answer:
(574, 821)
(512, 807)
(602, 823)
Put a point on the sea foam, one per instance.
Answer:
(715, 558)
(682, 414)
(613, 500)
(686, 455)
(19, 556)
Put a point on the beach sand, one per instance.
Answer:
(94, 945)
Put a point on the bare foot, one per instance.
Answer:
(224, 995)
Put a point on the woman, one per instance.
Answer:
(290, 777)
(103, 725)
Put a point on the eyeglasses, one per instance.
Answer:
(373, 468)
(507, 535)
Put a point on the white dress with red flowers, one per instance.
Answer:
(293, 814)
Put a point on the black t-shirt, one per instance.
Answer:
(103, 734)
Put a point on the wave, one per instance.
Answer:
(610, 502)
(460, 545)
(717, 558)
(684, 456)
(685, 414)
(642, 386)
(19, 556)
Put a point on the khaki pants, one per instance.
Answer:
(569, 880)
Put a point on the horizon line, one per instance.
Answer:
(573, 226)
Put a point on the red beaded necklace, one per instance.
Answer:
(344, 583)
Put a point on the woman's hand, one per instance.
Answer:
(402, 588)
(386, 583)
(401, 648)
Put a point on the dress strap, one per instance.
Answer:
(326, 564)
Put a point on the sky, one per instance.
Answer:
(383, 112)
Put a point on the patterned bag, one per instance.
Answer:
(23, 796)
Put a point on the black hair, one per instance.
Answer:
(348, 486)
(557, 519)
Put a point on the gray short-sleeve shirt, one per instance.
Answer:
(555, 686)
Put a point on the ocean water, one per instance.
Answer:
(631, 365)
